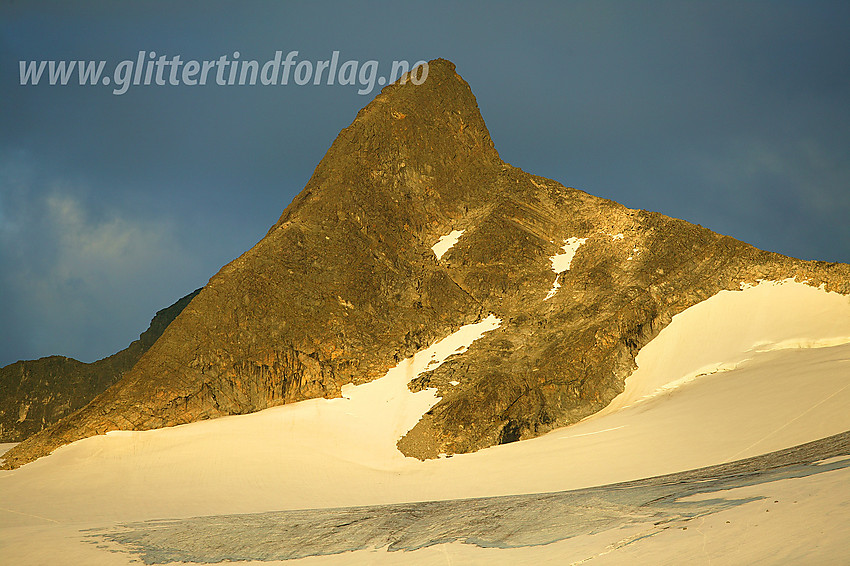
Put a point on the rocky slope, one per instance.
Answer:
(34, 394)
(345, 284)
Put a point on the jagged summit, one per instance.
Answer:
(346, 284)
(420, 149)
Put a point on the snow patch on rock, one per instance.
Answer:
(446, 242)
(561, 262)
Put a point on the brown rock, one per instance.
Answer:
(34, 394)
(345, 284)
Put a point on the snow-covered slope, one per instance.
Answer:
(741, 374)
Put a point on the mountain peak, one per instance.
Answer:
(347, 283)
(442, 106)
(411, 138)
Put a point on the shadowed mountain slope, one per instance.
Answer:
(34, 394)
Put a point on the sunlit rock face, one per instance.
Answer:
(348, 282)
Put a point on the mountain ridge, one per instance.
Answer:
(344, 285)
(37, 393)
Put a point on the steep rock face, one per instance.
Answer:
(34, 394)
(555, 361)
(345, 284)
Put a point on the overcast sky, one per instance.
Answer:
(732, 115)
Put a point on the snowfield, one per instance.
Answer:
(742, 374)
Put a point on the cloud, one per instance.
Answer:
(91, 250)
(80, 279)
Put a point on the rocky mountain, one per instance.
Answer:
(34, 394)
(346, 284)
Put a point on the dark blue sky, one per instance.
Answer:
(732, 115)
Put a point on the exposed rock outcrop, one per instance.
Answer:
(34, 394)
(345, 284)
